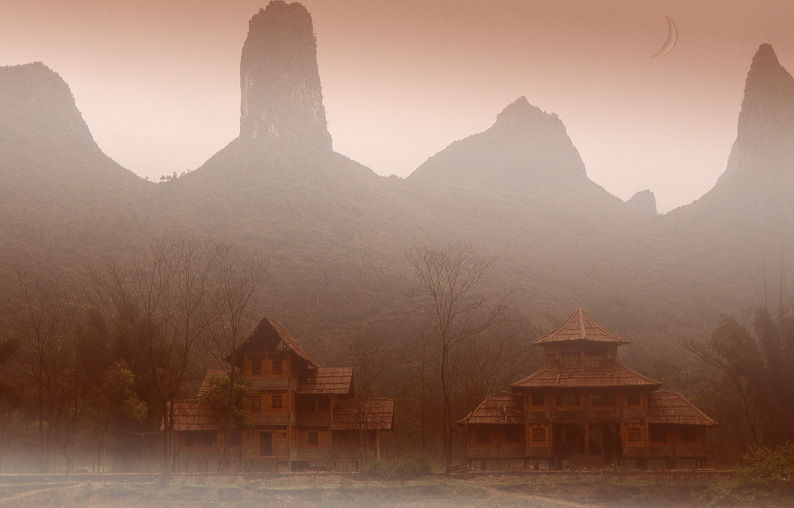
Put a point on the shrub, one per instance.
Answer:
(763, 473)
(413, 465)
(377, 469)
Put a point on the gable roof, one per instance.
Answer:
(555, 376)
(189, 415)
(580, 327)
(270, 334)
(327, 380)
(674, 408)
(504, 408)
(368, 414)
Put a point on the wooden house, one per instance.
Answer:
(584, 408)
(308, 416)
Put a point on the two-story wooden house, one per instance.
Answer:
(308, 416)
(584, 408)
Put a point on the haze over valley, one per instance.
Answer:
(338, 233)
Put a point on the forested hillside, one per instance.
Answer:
(339, 239)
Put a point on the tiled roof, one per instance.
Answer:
(555, 376)
(369, 414)
(273, 334)
(191, 416)
(674, 408)
(497, 409)
(329, 380)
(580, 327)
(211, 373)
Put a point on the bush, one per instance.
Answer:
(377, 469)
(763, 473)
(414, 465)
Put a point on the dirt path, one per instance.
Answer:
(536, 500)
(33, 495)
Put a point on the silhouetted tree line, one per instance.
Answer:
(91, 363)
(746, 380)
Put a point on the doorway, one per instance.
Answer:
(265, 444)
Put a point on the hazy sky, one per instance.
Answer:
(158, 80)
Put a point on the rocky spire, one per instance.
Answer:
(280, 83)
(765, 133)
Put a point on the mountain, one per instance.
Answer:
(338, 235)
(59, 192)
(749, 212)
(280, 82)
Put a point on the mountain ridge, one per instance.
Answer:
(338, 234)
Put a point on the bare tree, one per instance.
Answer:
(51, 357)
(449, 278)
(500, 358)
(371, 356)
(10, 397)
(237, 276)
(163, 299)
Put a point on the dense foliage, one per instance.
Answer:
(764, 475)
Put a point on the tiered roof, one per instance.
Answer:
(369, 414)
(674, 408)
(615, 374)
(504, 408)
(327, 380)
(192, 416)
(580, 327)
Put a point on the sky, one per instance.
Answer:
(157, 81)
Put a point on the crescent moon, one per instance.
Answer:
(669, 44)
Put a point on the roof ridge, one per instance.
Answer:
(574, 328)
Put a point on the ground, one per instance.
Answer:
(352, 491)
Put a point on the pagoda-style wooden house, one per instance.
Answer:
(584, 408)
(308, 416)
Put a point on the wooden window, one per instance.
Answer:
(276, 401)
(570, 359)
(689, 435)
(316, 404)
(256, 367)
(657, 435)
(566, 399)
(538, 435)
(634, 434)
(511, 436)
(482, 436)
(602, 399)
(538, 399)
(314, 438)
(342, 438)
(209, 440)
(633, 398)
(277, 367)
(188, 439)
